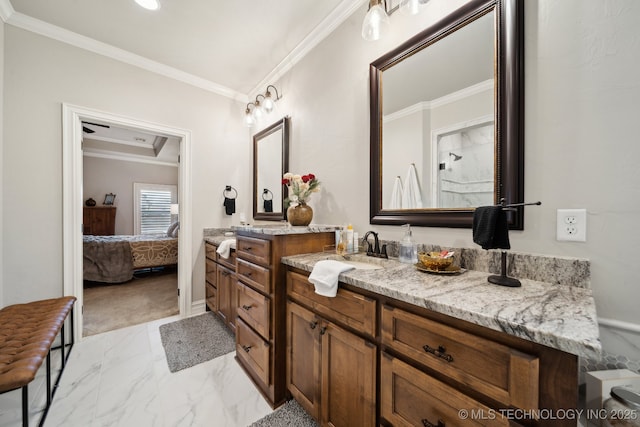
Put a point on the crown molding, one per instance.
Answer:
(340, 14)
(439, 102)
(6, 10)
(101, 154)
(37, 26)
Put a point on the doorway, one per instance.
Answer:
(72, 127)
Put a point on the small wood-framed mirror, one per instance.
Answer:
(270, 162)
(447, 113)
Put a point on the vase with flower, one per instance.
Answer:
(300, 188)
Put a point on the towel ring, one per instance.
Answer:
(227, 189)
(265, 192)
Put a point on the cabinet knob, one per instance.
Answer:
(248, 248)
(313, 325)
(247, 307)
(246, 348)
(323, 330)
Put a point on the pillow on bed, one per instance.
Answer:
(172, 231)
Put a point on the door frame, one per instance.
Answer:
(72, 182)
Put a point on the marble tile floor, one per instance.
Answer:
(121, 378)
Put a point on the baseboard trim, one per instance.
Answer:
(198, 307)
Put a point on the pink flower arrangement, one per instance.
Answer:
(300, 187)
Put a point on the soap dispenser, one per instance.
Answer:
(408, 248)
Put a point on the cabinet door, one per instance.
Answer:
(348, 378)
(225, 284)
(303, 358)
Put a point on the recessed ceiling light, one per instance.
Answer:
(149, 4)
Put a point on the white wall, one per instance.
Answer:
(103, 176)
(581, 112)
(40, 74)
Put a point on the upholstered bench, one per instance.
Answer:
(27, 332)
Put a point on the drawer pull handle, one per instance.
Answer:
(248, 274)
(440, 352)
(323, 330)
(313, 325)
(247, 307)
(248, 248)
(246, 348)
(427, 423)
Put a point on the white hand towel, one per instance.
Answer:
(411, 197)
(325, 276)
(225, 247)
(396, 194)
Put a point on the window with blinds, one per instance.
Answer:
(152, 206)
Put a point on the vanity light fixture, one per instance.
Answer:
(254, 114)
(376, 21)
(268, 101)
(149, 4)
(249, 120)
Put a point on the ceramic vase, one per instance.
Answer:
(300, 214)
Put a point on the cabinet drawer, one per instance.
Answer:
(210, 250)
(409, 397)
(253, 308)
(254, 275)
(211, 297)
(348, 308)
(254, 250)
(211, 269)
(495, 370)
(253, 351)
(227, 262)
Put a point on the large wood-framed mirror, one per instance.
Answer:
(270, 162)
(446, 119)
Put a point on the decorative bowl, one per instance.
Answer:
(434, 261)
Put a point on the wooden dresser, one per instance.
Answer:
(99, 220)
(261, 304)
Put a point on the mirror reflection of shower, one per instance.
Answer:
(468, 183)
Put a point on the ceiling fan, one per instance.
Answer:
(89, 130)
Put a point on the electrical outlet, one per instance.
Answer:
(572, 225)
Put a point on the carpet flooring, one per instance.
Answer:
(194, 340)
(289, 414)
(147, 297)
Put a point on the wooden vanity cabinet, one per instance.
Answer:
(430, 366)
(220, 285)
(261, 304)
(331, 371)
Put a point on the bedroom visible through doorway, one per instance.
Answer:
(133, 276)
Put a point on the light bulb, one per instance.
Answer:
(248, 119)
(376, 23)
(257, 111)
(149, 4)
(268, 103)
(410, 7)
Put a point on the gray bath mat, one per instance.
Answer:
(290, 414)
(194, 340)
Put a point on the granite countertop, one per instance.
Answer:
(279, 229)
(558, 316)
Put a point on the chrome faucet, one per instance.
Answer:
(374, 251)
